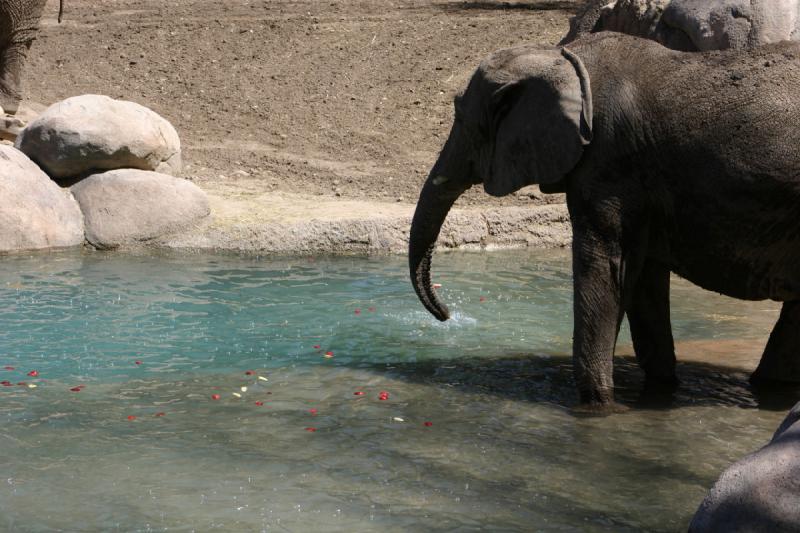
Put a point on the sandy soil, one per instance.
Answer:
(339, 101)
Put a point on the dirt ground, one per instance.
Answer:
(334, 99)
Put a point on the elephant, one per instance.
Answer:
(694, 173)
(19, 26)
(760, 492)
(692, 25)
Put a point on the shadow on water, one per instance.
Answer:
(541, 5)
(548, 379)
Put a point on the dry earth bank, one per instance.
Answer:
(293, 111)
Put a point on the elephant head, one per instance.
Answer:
(524, 118)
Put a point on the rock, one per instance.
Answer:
(90, 133)
(760, 492)
(128, 206)
(34, 212)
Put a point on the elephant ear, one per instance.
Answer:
(541, 122)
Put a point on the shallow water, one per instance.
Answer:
(503, 450)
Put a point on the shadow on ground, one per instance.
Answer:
(541, 5)
(548, 379)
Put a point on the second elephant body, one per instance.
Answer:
(692, 25)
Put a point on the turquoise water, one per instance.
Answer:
(154, 337)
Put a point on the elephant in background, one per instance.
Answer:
(759, 493)
(662, 174)
(692, 25)
(19, 26)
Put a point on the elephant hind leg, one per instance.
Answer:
(781, 358)
(651, 330)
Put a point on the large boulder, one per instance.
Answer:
(128, 206)
(34, 211)
(760, 492)
(92, 133)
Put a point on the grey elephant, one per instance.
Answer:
(19, 26)
(694, 173)
(692, 25)
(759, 493)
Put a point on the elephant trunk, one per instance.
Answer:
(437, 197)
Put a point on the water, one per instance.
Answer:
(503, 450)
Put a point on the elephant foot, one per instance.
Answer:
(12, 124)
(598, 409)
(10, 127)
(658, 392)
(597, 401)
(661, 382)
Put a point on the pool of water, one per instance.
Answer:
(122, 430)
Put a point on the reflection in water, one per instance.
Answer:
(503, 449)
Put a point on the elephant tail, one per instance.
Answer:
(60, 10)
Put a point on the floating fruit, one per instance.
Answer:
(215, 396)
(249, 372)
(312, 430)
(160, 414)
(358, 393)
(131, 417)
(428, 424)
(312, 411)
(259, 403)
(33, 373)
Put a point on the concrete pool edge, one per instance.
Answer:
(364, 227)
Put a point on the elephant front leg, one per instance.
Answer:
(781, 358)
(599, 274)
(651, 330)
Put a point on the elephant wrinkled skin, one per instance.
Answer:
(19, 26)
(692, 25)
(694, 173)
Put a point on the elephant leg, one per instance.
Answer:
(603, 274)
(781, 358)
(651, 331)
(12, 58)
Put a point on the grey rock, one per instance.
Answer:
(129, 206)
(761, 492)
(90, 133)
(34, 212)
